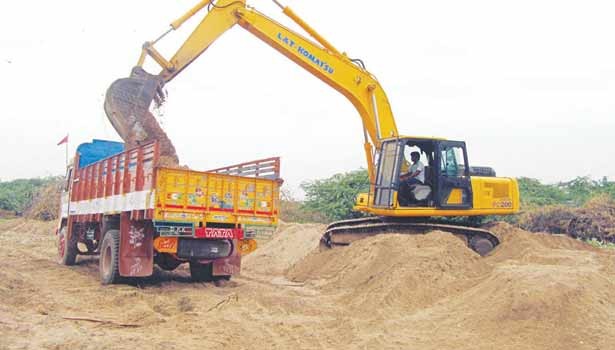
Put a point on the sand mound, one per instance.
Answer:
(533, 285)
(290, 244)
(541, 285)
(529, 247)
(393, 270)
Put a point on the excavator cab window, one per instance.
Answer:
(387, 173)
(454, 187)
(452, 161)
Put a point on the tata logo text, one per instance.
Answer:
(219, 233)
(304, 52)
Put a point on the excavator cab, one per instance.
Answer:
(448, 182)
(445, 177)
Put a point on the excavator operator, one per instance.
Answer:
(416, 174)
(411, 177)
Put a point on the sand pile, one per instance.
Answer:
(549, 289)
(290, 244)
(532, 287)
(396, 270)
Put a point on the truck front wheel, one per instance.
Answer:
(109, 258)
(67, 247)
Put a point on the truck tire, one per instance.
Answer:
(109, 258)
(67, 248)
(166, 262)
(201, 272)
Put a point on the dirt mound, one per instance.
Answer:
(527, 246)
(46, 203)
(290, 244)
(530, 288)
(395, 270)
(595, 220)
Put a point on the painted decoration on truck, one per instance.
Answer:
(221, 190)
(192, 196)
(136, 236)
(197, 191)
(136, 247)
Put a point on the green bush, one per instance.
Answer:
(575, 192)
(17, 195)
(334, 197)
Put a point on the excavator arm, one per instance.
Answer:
(317, 56)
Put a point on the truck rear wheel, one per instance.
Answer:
(166, 262)
(201, 272)
(109, 258)
(67, 248)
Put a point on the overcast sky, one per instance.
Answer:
(529, 85)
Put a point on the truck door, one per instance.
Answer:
(454, 186)
(387, 174)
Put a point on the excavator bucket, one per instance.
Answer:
(127, 105)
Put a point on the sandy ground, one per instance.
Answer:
(393, 291)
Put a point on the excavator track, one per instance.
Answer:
(343, 233)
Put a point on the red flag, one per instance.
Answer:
(64, 140)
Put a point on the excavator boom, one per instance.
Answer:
(128, 99)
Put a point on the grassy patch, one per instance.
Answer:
(600, 244)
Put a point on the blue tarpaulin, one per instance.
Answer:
(96, 150)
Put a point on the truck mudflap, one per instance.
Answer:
(230, 265)
(136, 247)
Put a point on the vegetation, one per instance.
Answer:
(291, 210)
(572, 193)
(334, 197)
(17, 195)
(601, 244)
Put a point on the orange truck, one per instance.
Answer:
(121, 205)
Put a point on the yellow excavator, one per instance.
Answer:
(448, 186)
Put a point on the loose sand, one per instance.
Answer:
(392, 291)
